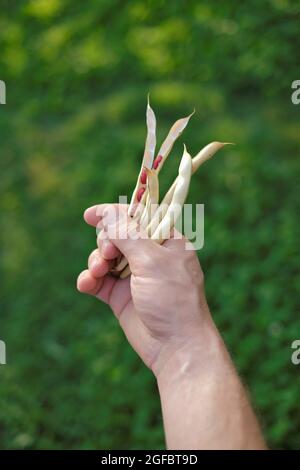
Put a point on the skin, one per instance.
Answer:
(163, 312)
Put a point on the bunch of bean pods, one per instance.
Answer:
(158, 219)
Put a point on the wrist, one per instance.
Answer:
(201, 352)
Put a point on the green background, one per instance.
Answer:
(72, 134)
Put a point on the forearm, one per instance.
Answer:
(203, 401)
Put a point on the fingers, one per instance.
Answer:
(97, 265)
(88, 284)
(125, 238)
(118, 234)
(125, 234)
(108, 289)
(108, 250)
(93, 215)
(100, 262)
(92, 280)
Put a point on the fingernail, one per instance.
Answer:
(86, 212)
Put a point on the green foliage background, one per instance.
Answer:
(72, 134)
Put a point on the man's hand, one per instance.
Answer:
(163, 312)
(162, 305)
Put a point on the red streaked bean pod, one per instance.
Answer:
(147, 158)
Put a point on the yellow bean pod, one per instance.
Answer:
(205, 154)
(141, 185)
(179, 196)
(174, 210)
(152, 197)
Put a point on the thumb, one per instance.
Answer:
(126, 234)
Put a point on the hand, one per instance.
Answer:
(161, 307)
(163, 312)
